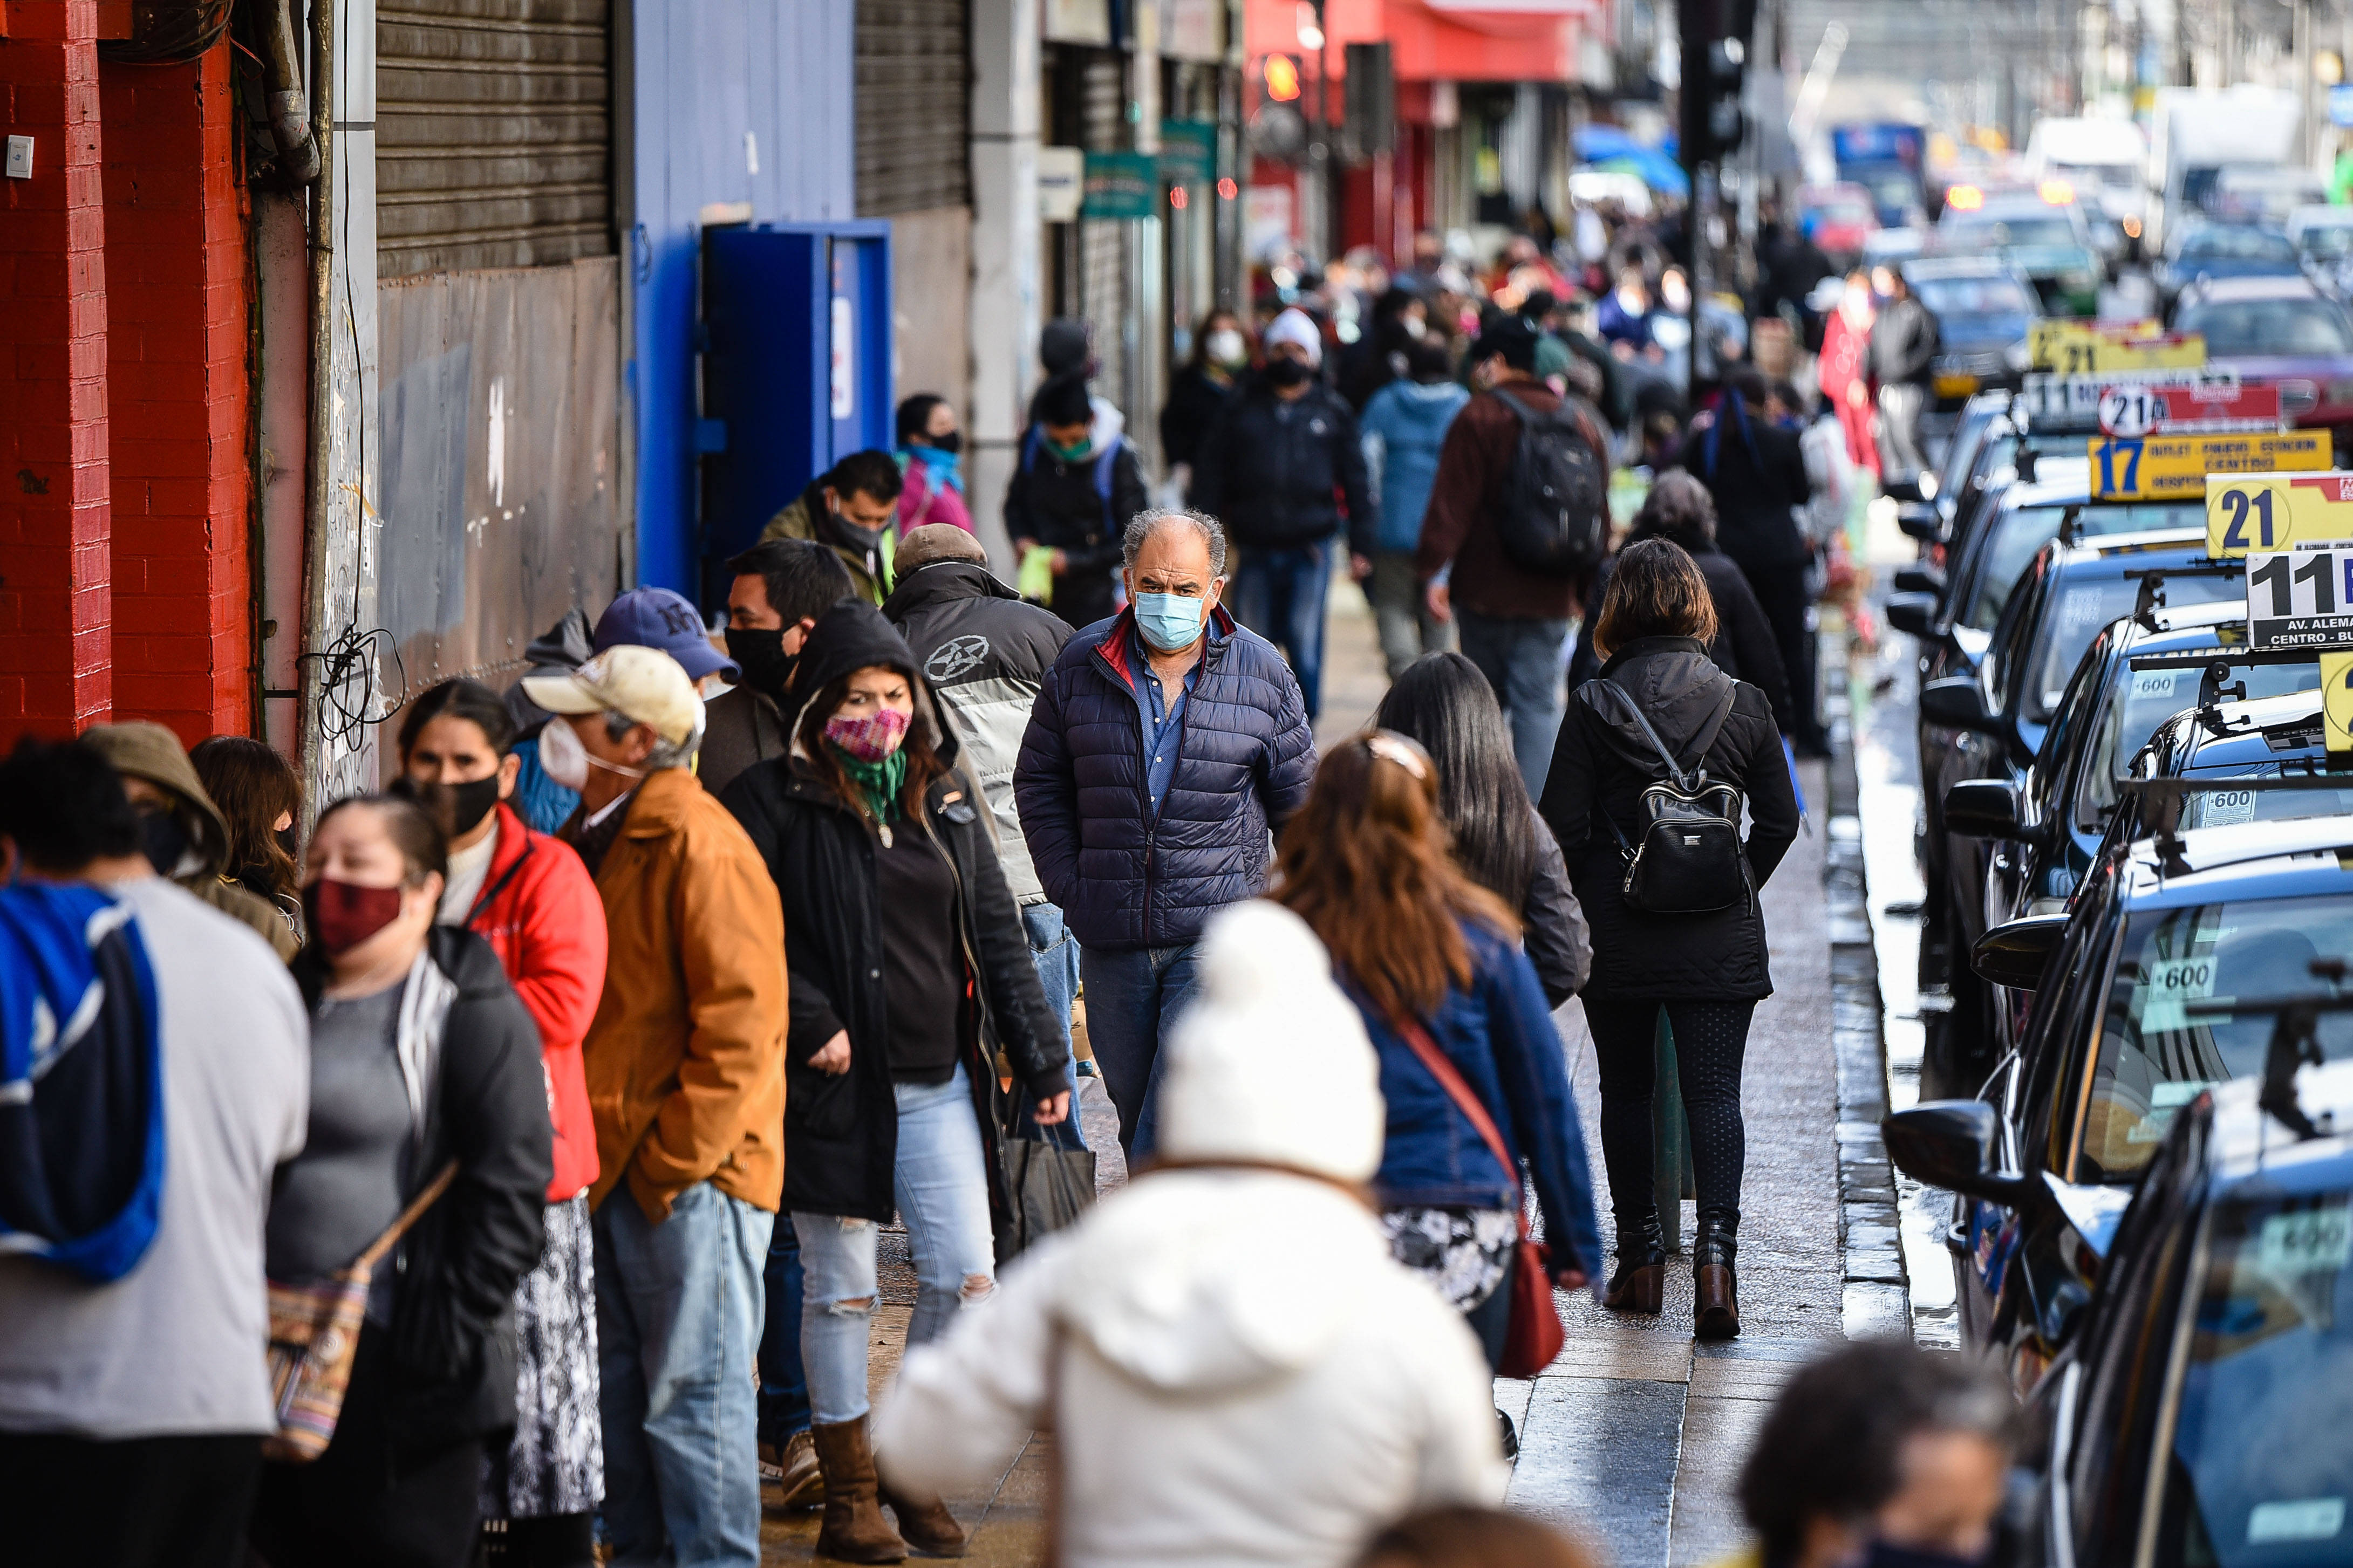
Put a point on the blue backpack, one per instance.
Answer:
(1032, 443)
(82, 1085)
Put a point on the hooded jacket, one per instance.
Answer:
(1599, 768)
(453, 1325)
(142, 749)
(1743, 647)
(1124, 876)
(685, 1059)
(808, 517)
(1059, 502)
(841, 1130)
(1279, 472)
(1236, 1369)
(1407, 419)
(538, 913)
(985, 653)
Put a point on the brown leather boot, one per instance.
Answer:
(928, 1527)
(854, 1529)
(1715, 1292)
(1640, 1283)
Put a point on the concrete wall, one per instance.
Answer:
(739, 111)
(931, 291)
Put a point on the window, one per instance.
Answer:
(2287, 327)
(2141, 699)
(2081, 607)
(1973, 297)
(2234, 244)
(2021, 230)
(2170, 1030)
(2018, 534)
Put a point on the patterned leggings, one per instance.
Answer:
(1710, 1039)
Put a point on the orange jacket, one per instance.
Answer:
(538, 913)
(686, 1058)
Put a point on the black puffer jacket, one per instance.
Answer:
(1743, 647)
(841, 1131)
(1757, 475)
(1276, 472)
(1061, 503)
(1552, 925)
(453, 1324)
(1599, 768)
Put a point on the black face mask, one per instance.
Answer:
(767, 668)
(950, 442)
(1285, 372)
(849, 534)
(163, 840)
(289, 843)
(457, 808)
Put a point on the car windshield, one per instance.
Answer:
(2022, 530)
(2221, 808)
(1972, 296)
(2289, 327)
(2239, 245)
(2170, 1030)
(2329, 241)
(2262, 1461)
(2148, 697)
(2077, 612)
(2023, 230)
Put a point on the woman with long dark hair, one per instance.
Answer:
(421, 1057)
(1442, 702)
(260, 798)
(1707, 970)
(1222, 353)
(910, 972)
(1432, 960)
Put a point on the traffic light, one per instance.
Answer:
(1715, 35)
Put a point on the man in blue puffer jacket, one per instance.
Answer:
(1167, 745)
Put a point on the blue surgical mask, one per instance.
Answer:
(1171, 623)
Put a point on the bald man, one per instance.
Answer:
(985, 651)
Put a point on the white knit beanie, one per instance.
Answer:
(1295, 326)
(1270, 1061)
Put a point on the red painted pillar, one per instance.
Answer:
(55, 619)
(176, 393)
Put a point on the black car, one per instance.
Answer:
(2258, 738)
(2202, 1412)
(2136, 1011)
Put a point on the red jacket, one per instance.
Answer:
(539, 910)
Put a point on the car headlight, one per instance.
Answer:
(2017, 357)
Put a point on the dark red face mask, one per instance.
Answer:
(342, 915)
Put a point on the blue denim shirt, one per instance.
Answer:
(1501, 1037)
(1162, 724)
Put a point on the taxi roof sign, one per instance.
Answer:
(2177, 468)
(2276, 511)
(2087, 348)
(2065, 403)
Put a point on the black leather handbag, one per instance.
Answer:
(1688, 859)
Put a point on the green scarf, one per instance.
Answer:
(878, 783)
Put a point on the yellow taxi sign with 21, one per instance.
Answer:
(2087, 348)
(2175, 468)
(2276, 512)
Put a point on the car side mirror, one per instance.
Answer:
(1924, 521)
(1955, 1145)
(2015, 953)
(1955, 702)
(1913, 613)
(1920, 580)
(1904, 488)
(1988, 808)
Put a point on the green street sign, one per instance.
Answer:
(1122, 184)
(1188, 152)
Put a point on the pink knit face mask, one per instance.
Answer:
(868, 738)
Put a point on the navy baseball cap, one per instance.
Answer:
(657, 618)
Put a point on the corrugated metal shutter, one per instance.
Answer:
(494, 134)
(913, 105)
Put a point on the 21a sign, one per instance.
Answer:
(2301, 597)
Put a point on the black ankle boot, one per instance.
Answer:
(1716, 1288)
(1640, 1283)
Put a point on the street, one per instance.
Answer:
(1634, 1437)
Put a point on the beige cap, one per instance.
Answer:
(643, 685)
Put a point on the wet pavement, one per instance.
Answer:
(1633, 1439)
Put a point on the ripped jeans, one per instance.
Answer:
(940, 1183)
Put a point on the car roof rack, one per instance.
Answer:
(2152, 578)
(2163, 800)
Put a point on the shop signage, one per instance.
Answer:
(1188, 152)
(1122, 186)
(1062, 184)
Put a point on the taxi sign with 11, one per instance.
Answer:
(2301, 597)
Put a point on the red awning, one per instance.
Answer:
(1438, 40)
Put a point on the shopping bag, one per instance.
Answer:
(1049, 1180)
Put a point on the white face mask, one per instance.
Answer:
(1227, 348)
(562, 757)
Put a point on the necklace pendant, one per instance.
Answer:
(882, 830)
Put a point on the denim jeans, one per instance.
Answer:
(1055, 951)
(678, 1325)
(1134, 995)
(940, 1183)
(784, 1387)
(1279, 594)
(1521, 660)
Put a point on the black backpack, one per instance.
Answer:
(1554, 517)
(1689, 861)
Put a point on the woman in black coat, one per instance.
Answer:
(405, 1015)
(1679, 508)
(1444, 703)
(910, 972)
(1708, 971)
